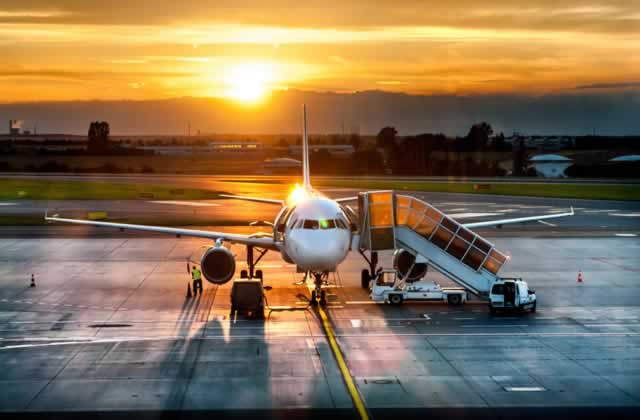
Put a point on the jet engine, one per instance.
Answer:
(402, 262)
(218, 265)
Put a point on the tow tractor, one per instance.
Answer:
(511, 293)
(390, 286)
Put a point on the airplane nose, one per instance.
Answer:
(319, 255)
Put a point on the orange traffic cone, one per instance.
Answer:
(579, 276)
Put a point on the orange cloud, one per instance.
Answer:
(128, 50)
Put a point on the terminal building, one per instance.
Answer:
(334, 149)
(548, 143)
(210, 148)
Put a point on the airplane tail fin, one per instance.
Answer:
(305, 151)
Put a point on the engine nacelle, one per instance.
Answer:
(218, 265)
(402, 261)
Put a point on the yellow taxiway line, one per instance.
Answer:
(346, 375)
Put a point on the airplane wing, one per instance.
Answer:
(258, 240)
(517, 220)
(255, 199)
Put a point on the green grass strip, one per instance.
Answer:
(624, 192)
(35, 189)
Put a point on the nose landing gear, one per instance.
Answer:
(318, 295)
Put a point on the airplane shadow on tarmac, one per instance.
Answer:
(225, 367)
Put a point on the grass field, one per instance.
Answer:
(30, 189)
(558, 190)
(24, 220)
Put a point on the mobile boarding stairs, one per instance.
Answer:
(389, 221)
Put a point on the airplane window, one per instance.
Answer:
(328, 224)
(311, 224)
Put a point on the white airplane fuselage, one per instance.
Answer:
(316, 235)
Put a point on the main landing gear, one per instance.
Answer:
(318, 295)
(251, 264)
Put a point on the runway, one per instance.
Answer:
(108, 330)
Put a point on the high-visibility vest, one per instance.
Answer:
(195, 274)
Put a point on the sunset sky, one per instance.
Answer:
(153, 49)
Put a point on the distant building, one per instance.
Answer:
(167, 150)
(543, 142)
(14, 127)
(238, 146)
(213, 147)
(334, 149)
(551, 166)
(281, 166)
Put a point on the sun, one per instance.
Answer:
(249, 82)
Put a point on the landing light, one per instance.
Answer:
(297, 195)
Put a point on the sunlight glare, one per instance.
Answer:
(249, 82)
(297, 195)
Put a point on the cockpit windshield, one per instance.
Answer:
(310, 224)
(323, 224)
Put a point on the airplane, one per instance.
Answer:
(311, 231)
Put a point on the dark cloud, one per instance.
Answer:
(617, 85)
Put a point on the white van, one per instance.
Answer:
(511, 294)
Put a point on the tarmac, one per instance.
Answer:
(108, 331)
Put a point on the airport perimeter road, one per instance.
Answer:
(108, 329)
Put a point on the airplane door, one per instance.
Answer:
(279, 225)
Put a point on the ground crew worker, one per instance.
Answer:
(197, 280)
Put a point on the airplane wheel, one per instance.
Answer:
(365, 278)
(244, 274)
(259, 274)
(454, 299)
(395, 299)
(323, 298)
(533, 308)
(313, 297)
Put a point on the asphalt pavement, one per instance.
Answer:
(108, 331)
